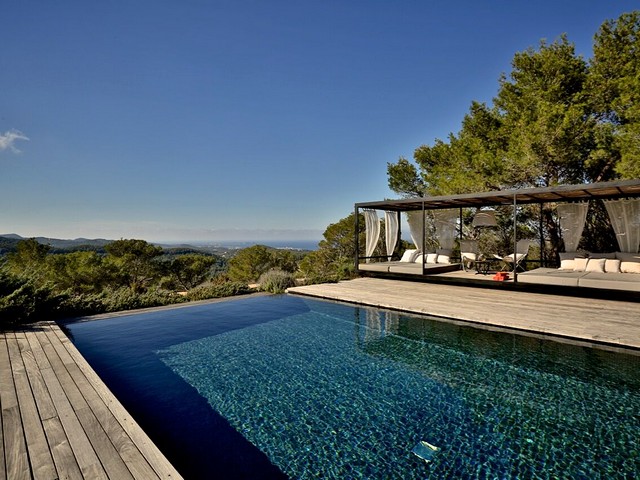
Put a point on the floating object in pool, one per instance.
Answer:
(425, 451)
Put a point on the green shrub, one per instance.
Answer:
(276, 281)
(226, 289)
(29, 303)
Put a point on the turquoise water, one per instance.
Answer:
(333, 397)
(325, 390)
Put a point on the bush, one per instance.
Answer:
(226, 289)
(29, 303)
(276, 281)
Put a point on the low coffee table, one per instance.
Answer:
(484, 266)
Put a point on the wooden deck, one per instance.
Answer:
(610, 323)
(60, 421)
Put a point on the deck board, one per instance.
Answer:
(15, 448)
(58, 418)
(605, 322)
(40, 458)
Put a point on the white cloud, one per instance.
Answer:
(8, 138)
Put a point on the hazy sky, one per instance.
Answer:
(217, 120)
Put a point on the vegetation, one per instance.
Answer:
(334, 259)
(249, 263)
(276, 281)
(36, 283)
(556, 119)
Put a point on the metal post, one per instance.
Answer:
(543, 263)
(399, 220)
(424, 242)
(515, 238)
(357, 239)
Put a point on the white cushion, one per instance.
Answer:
(444, 259)
(419, 258)
(612, 265)
(595, 265)
(409, 255)
(509, 258)
(469, 255)
(580, 264)
(630, 267)
(567, 260)
(432, 257)
(567, 264)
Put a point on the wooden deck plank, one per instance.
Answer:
(610, 322)
(111, 461)
(15, 448)
(40, 458)
(3, 473)
(59, 420)
(40, 393)
(87, 459)
(133, 458)
(61, 451)
(153, 455)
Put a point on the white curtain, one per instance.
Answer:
(625, 219)
(446, 221)
(414, 218)
(373, 231)
(572, 219)
(390, 231)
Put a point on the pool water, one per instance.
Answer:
(277, 387)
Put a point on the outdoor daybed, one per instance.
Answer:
(411, 263)
(613, 271)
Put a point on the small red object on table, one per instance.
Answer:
(501, 276)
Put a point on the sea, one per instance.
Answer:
(282, 244)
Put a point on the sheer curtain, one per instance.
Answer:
(572, 219)
(625, 219)
(372, 223)
(390, 231)
(446, 221)
(414, 218)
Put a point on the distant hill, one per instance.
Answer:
(59, 245)
(9, 242)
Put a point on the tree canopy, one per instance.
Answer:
(556, 119)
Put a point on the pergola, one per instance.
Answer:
(562, 193)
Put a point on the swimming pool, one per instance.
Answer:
(284, 386)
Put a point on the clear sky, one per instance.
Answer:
(211, 120)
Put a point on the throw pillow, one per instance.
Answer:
(409, 255)
(568, 264)
(580, 264)
(444, 259)
(595, 265)
(612, 266)
(630, 267)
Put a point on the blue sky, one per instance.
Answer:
(240, 120)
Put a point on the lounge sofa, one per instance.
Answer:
(614, 271)
(411, 263)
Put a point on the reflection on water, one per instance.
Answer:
(341, 391)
